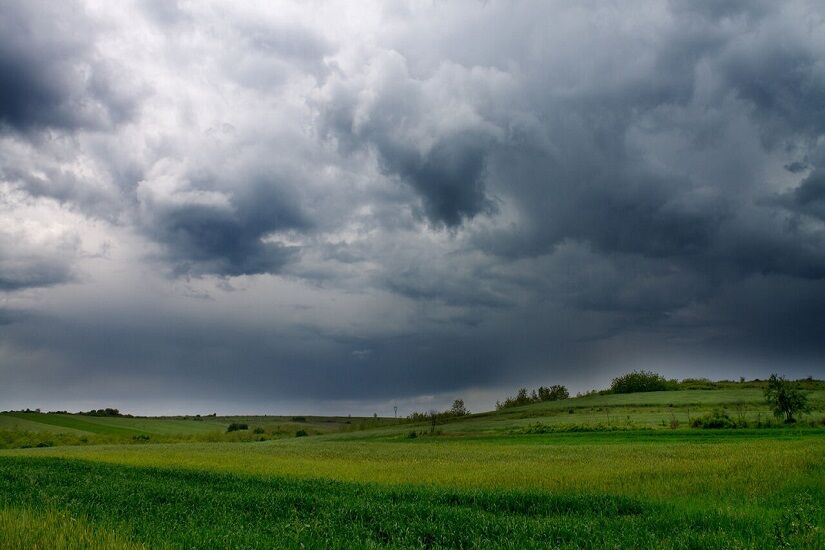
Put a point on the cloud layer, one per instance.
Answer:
(340, 206)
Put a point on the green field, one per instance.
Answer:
(628, 481)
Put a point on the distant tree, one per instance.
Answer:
(785, 398)
(458, 408)
(555, 392)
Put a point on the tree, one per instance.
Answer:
(433, 415)
(785, 398)
(555, 393)
(458, 408)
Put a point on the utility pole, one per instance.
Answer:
(395, 408)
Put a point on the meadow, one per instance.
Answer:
(477, 481)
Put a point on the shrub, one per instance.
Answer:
(412, 434)
(140, 437)
(641, 381)
(715, 419)
(301, 433)
(299, 419)
(236, 426)
(258, 430)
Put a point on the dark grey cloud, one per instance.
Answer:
(809, 196)
(439, 150)
(20, 273)
(226, 238)
(28, 262)
(51, 74)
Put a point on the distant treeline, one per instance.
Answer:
(457, 410)
(93, 412)
(552, 393)
(645, 381)
(104, 412)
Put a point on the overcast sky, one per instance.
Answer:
(343, 206)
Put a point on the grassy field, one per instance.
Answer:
(30, 429)
(476, 481)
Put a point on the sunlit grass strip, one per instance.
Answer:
(55, 530)
(720, 470)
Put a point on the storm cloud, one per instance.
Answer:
(338, 207)
(51, 72)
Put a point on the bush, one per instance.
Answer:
(258, 430)
(236, 426)
(299, 419)
(716, 419)
(412, 434)
(301, 433)
(641, 381)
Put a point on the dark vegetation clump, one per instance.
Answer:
(642, 381)
(258, 430)
(140, 437)
(541, 428)
(301, 433)
(412, 435)
(434, 417)
(236, 426)
(716, 419)
(552, 393)
(104, 412)
(299, 419)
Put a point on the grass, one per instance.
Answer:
(687, 466)
(629, 481)
(179, 508)
(30, 429)
(56, 530)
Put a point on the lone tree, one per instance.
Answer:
(785, 398)
(458, 408)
